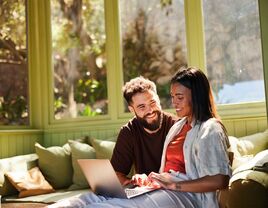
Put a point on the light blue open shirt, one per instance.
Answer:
(205, 154)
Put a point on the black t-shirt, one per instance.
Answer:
(136, 146)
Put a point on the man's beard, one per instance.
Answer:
(150, 126)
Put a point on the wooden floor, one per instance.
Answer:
(23, 205)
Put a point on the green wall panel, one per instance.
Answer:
(19, 143)
(22, 142)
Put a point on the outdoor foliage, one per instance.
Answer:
(13, 64)
(78, 40)
(79, 53)
(153, 45)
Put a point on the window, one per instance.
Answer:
(79, 59)
(153, 41)
(13, 63)
(233, 50)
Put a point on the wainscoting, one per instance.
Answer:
(18, 142)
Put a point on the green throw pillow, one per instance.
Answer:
(104, 149)
(56, 165)
(80, 151)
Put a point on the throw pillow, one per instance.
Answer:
(56, 165)
(258, 160)
(16, 163)
(111, 138)
(247, 171)
(252, 144)
(80, 151)
(104, 149)
(238, 160)
(7, 189)
(82, 139)
(29, 183)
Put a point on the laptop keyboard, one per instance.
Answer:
(131, 192)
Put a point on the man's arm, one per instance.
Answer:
(122, 158)
(124, 180)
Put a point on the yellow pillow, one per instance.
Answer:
(29, 183)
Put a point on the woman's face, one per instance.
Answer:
(182, 100)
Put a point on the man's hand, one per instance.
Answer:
(124, 180)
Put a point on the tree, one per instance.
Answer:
(13, 63)
(79, 45)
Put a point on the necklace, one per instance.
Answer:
(156, 130)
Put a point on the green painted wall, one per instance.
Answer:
(19, 142)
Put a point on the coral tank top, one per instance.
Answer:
(174, 154)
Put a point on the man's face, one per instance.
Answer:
(146, 106)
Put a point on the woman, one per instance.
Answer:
(195, 161)
(205, 148)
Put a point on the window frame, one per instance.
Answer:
(196, 56)
(247, 109)
(41, 113)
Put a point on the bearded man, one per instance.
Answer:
(140, 141)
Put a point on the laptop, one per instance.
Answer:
(103, 180)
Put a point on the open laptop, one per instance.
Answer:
(103, 180)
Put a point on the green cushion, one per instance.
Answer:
(56, 165)
(80, 151)
(82, 139)
(104, 149)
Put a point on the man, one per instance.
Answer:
(140, 141)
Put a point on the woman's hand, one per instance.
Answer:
(164, 180)
(144, 180)
(140, 179)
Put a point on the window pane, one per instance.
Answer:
(233, 50)
(13, 63)
(154, 41)
(78, 38)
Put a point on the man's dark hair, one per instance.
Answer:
(137, 85)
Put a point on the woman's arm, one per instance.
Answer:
(204, 184)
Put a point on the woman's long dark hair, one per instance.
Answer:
(202, 99)
(203, 103)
